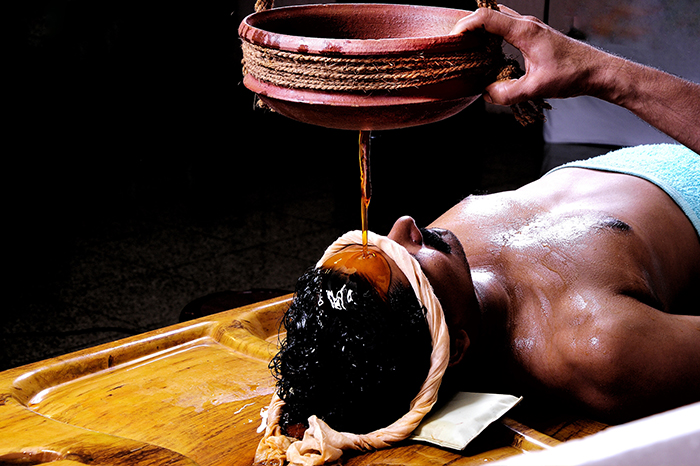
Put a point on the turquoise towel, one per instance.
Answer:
(672, 167)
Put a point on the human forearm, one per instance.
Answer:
(558, 66)
(669, 103)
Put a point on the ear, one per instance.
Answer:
(459, 343)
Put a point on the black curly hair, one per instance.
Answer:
(350, 357)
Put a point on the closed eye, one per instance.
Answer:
(435, 241)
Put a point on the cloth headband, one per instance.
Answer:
(322, 444)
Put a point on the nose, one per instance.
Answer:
(406, 233)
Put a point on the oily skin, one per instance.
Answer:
(581, 285)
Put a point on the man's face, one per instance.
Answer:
(442, 259)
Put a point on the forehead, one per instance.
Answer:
(368, 262)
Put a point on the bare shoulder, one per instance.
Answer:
(625, 359)
(605, 276)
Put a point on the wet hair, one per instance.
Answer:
(350, 357)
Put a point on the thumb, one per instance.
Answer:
(506, 92)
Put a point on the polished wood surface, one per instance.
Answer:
(191, 393)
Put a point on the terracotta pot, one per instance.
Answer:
(365, 30)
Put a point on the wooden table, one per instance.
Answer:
(191, 394)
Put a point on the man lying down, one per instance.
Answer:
(581, 286)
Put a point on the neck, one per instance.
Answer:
(485, 354)
(493, 304)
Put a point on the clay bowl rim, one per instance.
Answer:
(252, 31)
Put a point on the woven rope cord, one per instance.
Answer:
(315, 72)
(262, 5)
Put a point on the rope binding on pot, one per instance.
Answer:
(297, 70)
(358, 74)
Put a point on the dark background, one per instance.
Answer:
(140, 177)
